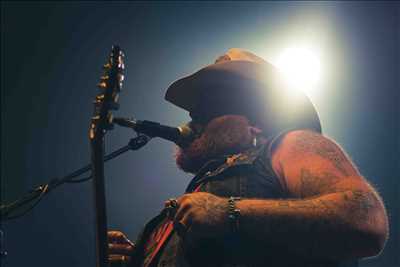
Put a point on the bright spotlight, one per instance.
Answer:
(300, 67)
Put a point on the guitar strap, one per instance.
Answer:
(158, 238)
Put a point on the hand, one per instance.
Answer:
(201, 215)
(120, 248)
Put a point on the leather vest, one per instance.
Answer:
(246, 175)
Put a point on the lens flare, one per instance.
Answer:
(300, 67)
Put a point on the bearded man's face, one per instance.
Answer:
(228, 134)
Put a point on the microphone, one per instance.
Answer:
(181, 135)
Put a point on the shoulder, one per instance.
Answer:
(299, 143)
(301, 139)
(298, 155)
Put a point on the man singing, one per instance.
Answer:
(269, 188)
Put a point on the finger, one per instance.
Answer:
(170, 211)
(113, 258)
(118, 237)
(187, 219)
(180, 213)
(170, 207)
(172, 202)
(182, 226)
(115, 236)
(182, 210)
(122, 249)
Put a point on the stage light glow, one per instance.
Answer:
(300, 68)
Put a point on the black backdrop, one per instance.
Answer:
(51, 55)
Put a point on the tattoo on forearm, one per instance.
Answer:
(355, 203)
(213, 207)
(349, 205)
(328, 207)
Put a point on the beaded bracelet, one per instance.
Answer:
(234, 214)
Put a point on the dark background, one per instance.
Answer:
(51, 54)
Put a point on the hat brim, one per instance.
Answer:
(244, 87)
(188, 92)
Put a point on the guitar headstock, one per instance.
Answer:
(107, 99)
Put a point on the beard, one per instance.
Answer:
(228, 134)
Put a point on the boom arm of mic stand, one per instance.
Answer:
(37, 193)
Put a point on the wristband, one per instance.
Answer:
(233, 214)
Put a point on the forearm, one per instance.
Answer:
(333, 226)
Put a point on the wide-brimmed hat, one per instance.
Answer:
(240, 82)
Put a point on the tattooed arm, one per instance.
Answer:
(333, 214)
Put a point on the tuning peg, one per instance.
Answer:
(100, 97)
(104, 79)
(107, 66)
(97, 102)
(102, 85)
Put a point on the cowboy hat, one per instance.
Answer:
(240, 82)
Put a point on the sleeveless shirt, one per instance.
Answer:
(246, 175)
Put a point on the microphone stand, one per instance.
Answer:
(38, 193)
